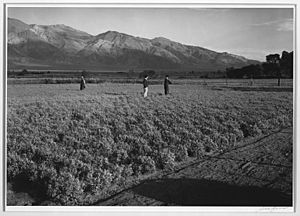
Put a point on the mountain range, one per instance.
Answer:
(61, 46)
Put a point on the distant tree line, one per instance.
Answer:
(274, 67)
(150, 73)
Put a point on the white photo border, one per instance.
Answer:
(91, 210)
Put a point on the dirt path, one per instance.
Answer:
(256, 173)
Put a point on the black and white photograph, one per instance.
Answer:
(189, 106)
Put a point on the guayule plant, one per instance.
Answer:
(73, 145)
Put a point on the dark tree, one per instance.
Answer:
(274, 60)
(286, 64)
(274, 67)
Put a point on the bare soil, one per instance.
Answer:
(258, 172)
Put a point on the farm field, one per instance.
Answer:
(250, 174)
(71, 147)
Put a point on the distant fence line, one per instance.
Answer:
(204, 82)
(247, 82)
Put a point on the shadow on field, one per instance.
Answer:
(194, 192)
(264, 89)
(26, 191)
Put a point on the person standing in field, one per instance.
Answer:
(166, 84)
(82, 83)
(145, 85)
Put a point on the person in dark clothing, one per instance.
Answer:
(145, 85)
(82, 83)
(166, 84)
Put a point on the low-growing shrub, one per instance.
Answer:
(143, 165)
(79, 144)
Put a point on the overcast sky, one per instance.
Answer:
(251, 32)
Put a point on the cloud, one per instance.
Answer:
(278, 25)
(286, 26)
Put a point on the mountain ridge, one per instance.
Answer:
(61, 45)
